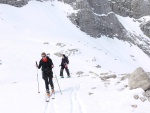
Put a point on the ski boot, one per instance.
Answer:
(48, 93)
(61, 76)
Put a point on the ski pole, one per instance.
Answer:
(37, 79)
(57, 82)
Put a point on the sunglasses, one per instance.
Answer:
(43, 56)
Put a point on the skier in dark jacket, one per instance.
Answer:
(47, 74)
(64, 65)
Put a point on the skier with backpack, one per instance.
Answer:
(64, 65)
(47, 73)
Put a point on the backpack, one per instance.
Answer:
(67, 60)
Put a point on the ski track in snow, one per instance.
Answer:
(74, 100)
(72, 91)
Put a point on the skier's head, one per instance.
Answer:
(63, 56)
(43, 55)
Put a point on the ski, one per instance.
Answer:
(48, 96)
(53, 96)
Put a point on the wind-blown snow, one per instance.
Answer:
(23, 32)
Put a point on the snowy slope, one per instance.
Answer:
(79, 95)
(23, 32)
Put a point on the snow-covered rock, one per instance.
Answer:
(136, 97)
(108, 77)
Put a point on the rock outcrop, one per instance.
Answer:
(108, 77)
(16, 3)
(132, 8)
(147, 93)
(146, 28)
(96, 18)
(139, 79)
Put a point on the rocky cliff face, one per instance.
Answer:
(132, 8)
(146, 28)
(96, 18)
(16, 3)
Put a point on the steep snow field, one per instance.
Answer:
(39, 26)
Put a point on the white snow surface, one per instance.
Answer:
(23, 32)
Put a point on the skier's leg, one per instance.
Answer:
(67, 71)
(51, 84)
(44, 76)
(51, 80)
(61, 71)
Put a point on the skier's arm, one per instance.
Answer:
(40, 64)
(52, 65)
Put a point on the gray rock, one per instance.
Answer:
(144, 94)
(79, 73)
(91, 93)
(104, 73)
(108, 77)
(46, 43)
(139, 79)
(60, 44)
(146, 28)
(147, 93)
(93, 73)
(149, 99)
(59, 54)
(125, 77)
(143, 99)
(136, 97)
(72, 51)
(134, 106)
(98, 66)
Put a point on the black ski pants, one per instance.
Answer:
(62, 69)
(48, 78)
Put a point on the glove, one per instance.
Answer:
(52, 66)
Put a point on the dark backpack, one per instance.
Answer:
(67, 60)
